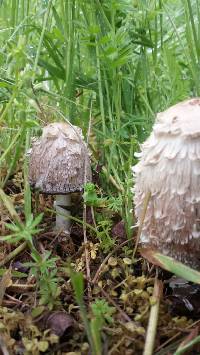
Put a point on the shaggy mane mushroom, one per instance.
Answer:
(60, 165)
(169, 168)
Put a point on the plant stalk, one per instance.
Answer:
(153, 318)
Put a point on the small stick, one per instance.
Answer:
(96, 276)
(19, 288)
(163, 345)
(114, 348)
(153, 318)
(5, 282)
(13, 254)
(12, 301)
(182, 349)
(3, 346)
(87, 254)
(110, 300)
(93, 217)
(144, 210)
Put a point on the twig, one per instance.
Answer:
(87, 254)
(3, 346)
(19, 288)
(13, 300)
(118, 247)
(182, 350)
(163, 345)
(110, 300)
(114, 348)
(13, 254)
(153, 318)
(93, 218)
(56, 237)
(144, 210)
(4, 283)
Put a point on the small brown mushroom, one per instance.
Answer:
(60, 165)
(169, 168)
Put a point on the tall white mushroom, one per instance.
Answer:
(169, 168)
(60, 165)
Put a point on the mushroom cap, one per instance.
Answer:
(169, 168)
(59, 160)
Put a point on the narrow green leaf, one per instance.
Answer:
(171, 265)
(37, 311)
(77, 282)
(14, 273)
(37, 220)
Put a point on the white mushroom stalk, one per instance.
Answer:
(62, 205)
(59, 165)
(169, 168)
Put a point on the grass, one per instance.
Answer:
(110, 65)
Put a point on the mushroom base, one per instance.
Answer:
(188, 253)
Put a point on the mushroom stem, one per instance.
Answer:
(62, 203)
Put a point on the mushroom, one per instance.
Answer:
(169, 169)
(60, 165)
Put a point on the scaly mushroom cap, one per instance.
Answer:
(58, 160)
(169, 168)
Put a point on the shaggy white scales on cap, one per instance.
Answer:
(169, 168)
(59, 160)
